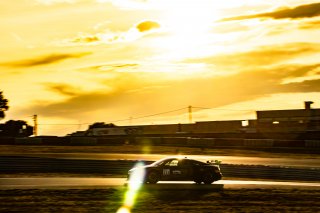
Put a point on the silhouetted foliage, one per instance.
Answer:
(3, 105)
(17, 128)
(101, 125)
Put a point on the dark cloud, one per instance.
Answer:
(63, 89)
(44, 60)
(304, 86)
(147, 25)
(262, 56)
(302, 11)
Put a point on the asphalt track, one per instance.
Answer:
(65, 183)
(292, 162)
(28, 165)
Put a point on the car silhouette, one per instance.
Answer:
(179, 169)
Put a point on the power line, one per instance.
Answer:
(131, 118)
(244, 110)
(62, 124)
(151, 115)
(189, 108)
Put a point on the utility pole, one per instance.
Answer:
(79, 125)
(35, 125)
(190, 113)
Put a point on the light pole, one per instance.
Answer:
(35, 125)
(190, 113)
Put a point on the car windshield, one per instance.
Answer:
(163, 161)
(159, 162)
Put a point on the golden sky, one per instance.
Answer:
(76, 62)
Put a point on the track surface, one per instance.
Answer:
(112, 182)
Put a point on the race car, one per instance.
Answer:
(179, 169)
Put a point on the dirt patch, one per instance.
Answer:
(110, 199)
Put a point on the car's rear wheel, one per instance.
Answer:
(153, 177)
(208, 178)
(197, 180)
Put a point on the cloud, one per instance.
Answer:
(310, 25)
(302, 87)
(44, 60)
(63, 89)
(302, 11)
(124, 65)
(121, 67)
(262, 56)
(74, 106)
(87, 39)
(129, 91)
(107, 36)
(147, 25)
(93, 39)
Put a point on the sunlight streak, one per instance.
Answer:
(134, 183)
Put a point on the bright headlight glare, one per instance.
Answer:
(135, 180)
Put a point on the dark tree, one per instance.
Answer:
(17, 128)
(3, 105)
(101, 125)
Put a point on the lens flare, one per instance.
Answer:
(136, 177)
(123, 209)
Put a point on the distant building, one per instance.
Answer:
(280, 121)
(294, 120)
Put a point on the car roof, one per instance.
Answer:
(178, 157)
(175, 157)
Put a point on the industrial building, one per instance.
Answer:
(271, 121)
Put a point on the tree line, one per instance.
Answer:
(12, 128)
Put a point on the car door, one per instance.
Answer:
(185, 168)
(170, 170)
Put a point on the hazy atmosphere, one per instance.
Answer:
(76, 62)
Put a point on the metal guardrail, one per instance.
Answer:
(18, 164)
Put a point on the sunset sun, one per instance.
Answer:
(188, 25)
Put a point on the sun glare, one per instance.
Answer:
(188, 25)
(134, 184)
(189, 18)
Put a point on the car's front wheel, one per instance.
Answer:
(152, 178)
